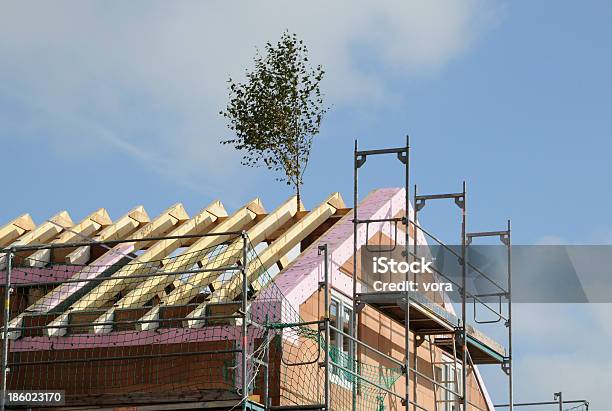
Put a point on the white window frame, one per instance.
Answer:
(338, 376)
(448, 374)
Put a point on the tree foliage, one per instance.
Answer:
(277, 111)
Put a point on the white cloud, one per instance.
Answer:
(152, 74)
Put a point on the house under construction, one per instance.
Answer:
(254, 309)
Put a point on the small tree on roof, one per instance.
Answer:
(278, 110)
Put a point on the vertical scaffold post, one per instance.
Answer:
(354, 313)
(559, 397)
(5, 332)
(407, 256)
(509, 322)
(360, 157)
(245, 302)
(266, 389)
(460, 332)
(414, 253)
(463, 300)
(323, 249)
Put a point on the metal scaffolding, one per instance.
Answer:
(265, 328)
(439, 328)
(461, 331)
(242, 316)
(558, 401)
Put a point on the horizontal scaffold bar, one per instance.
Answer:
(36, 247)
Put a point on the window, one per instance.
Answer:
(333, 320)
(450, 374)
(341, 318)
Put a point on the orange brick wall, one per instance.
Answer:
(387, 336)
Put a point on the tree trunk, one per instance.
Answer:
(297, 169)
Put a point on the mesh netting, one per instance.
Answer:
(103, 330)
(131, 328)
(299, 352)
(301, 372)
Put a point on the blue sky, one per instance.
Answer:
(108, 105)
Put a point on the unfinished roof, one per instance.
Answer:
(170, 286)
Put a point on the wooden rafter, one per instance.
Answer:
(165, 222)
(185, 291)
(15, 229)
(42, 233)
(160, 249)
(153, 285)
(229, 289)
(277, 218)
(85, 229)
(122, 227)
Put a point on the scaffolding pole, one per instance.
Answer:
(506, 238)
(245, 304)
(509, 322)
(360, 157)
(407, 294)
(464, 350)
(37, 247)
(355, 330)
(460, 200)
(559, 398)
(325, 285)
(266, 364)
(5, 336)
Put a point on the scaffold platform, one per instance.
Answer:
(430, 318)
